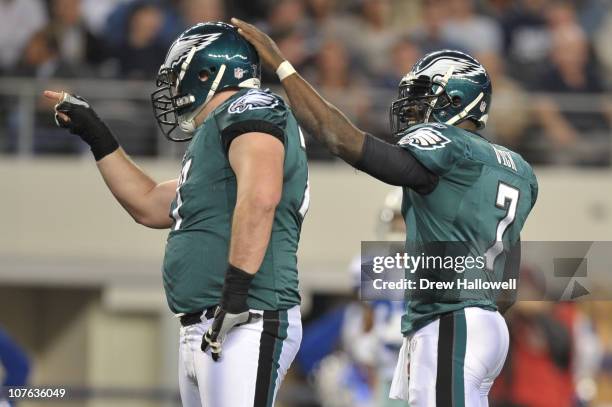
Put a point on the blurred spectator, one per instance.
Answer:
(116, 31)
(406, 15)
(286, 15)
(603, 48)
(288, 25)
(333, 76)
(142, 51)
(560, 14)
(509, 114)
(321, 11)
(200, 11)
(369, 36)
(41, 58)
(473, 32)
(569, 126)
(95, 13)
(553, 348)
(429, 33)
(19, 19)
(527, 45)
(293, 45)
(539, 357)
(404, 54)
(335, 79)
(526, 38)
(77, 45)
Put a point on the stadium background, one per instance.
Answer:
(80, 286)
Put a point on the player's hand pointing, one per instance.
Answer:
(223, 322)
(75, 114)
(266, 48)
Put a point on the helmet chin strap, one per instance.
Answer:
(188, 124)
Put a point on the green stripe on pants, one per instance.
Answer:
(278, 348)
(460, 338)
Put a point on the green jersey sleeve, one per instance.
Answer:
(435, 146)
(257, 110)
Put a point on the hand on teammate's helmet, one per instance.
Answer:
(267, 49)
(74, 113)
(223, 322)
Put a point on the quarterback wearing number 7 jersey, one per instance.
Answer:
(457, 187)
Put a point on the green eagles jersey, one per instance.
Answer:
(196, 256)
(484, 195)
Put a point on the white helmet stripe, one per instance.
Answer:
(215, 84)
(185, 65)
(443, 83)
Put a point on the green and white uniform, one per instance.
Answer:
(257, 355)
(197, 248)
(484, 195)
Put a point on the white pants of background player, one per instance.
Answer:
(254, 361)
(453, 361)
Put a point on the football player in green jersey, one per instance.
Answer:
(234, 213)
(457, 187)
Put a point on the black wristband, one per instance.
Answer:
(236, 290)
(103, 143)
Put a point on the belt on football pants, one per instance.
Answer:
(196, 317)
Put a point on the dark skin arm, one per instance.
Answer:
(316, 115)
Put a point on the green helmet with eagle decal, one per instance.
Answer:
(205, 59)
(446, 87)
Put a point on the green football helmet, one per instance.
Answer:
(205, 59)
(444, 86)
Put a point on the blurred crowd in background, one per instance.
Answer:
(550, 60)
(551, 66)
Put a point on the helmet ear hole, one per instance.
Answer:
(204, 75)
(456, 101)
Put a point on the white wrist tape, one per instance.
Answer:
(284, 70)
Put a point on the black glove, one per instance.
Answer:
(232, 311)
(85, 123)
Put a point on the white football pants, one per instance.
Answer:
(453, 361)
(254, 360)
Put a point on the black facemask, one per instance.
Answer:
(416, 101)
(166, 104)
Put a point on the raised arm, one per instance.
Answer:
(386, 162)
(317, 116)
(147, 201)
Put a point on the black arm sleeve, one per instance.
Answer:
(394, 165)
(248, 126)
